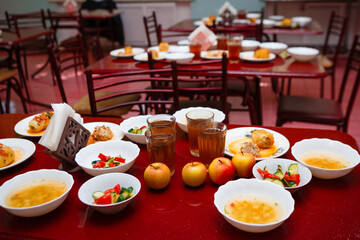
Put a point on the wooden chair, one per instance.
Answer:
(9, 80)
(321, 110)
(212, 75)
(64, 56)
(29, 20)
(152, 28)
(117, 94)
(336, 30)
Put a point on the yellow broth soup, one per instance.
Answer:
(325, 160)
(254, 209)
(35, 193)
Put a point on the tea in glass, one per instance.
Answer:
(221, 42)
(161, 123)
(234, 48)
(195, 48)
(161, 147)
(211, 142)
(195, 118)
(241, 14)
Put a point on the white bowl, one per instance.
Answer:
(104, 182)
(302, 21)
(180, 57)
(276, 17)
(303, 54)
(132, 122)
(253, 15)
(272, 165)
(127, 150)
(323, 145)
(267, 23)
(28, 177)
(180, 116)
(274, 47)
(249, 45)
(256, 187)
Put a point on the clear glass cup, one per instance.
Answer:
(241, 14)
(161, 147)
(161, 123)
(211, 140)
(234, 48)
(221, 41)
(195, 118)
(195, 48)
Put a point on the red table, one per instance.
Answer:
(324, 209)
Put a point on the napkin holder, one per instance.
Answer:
(73, 138)
(227, 17)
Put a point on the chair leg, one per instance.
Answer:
(332, 86)
(258, 100)
(8, 94)
(289, 86)
(1, 107)
(16, 86)
(25, 65)
(279, 122)
(322, 88)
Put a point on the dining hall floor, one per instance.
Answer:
(42, 90)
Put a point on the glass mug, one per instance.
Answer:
(234, 48)
(195, 118)
(161, 147)
(221, 42)
(211, 140)
(195, 48)
(161, 123)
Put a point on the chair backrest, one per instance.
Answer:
(26, 20)
(62, 20)
(152, 28)
(336, 28)
(129, 89)
(352, 68)
(211, 76)
(65, 56)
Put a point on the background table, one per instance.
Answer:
(324, 209)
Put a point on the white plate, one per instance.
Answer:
(281, 142)
(143, 57)
(173, 48)
(249, 57)
(115, 53)
(26, 147)
(22, 126)
(204, 54)
(115, 128)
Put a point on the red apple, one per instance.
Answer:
(244, 163)
(157, 175)
(194, 174)
(221, 170)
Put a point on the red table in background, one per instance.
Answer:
(324, 209)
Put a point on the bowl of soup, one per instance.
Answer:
(326, 159)
(254, 205)
(35, 193)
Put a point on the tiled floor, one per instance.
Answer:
(43, 90)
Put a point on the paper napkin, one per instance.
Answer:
(53, 132)
(204, 35)
(225, 6)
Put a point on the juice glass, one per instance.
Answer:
(161, 123)
(161, 147)
(241, 14)
(211, 141)
(234, 48)
(221, 42)
(195, 118)
(195, 48)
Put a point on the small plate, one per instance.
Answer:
(115, 53)
(143, 57)
(172, 48)
(23, 125)
(249, 57)
(115, 128)
(186, 42)
(26, 147)
(213, 54)
(281, 142)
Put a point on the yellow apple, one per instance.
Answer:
(194, 174)
(221, 170)
(244, 162)
(157, 175)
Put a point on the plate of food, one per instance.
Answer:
(126, 52)
(213, 54)
(33, 126)
(261, 142)
(16, 151)
(186, 42)
(259, 56)
(103, 131)
(143, 57)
